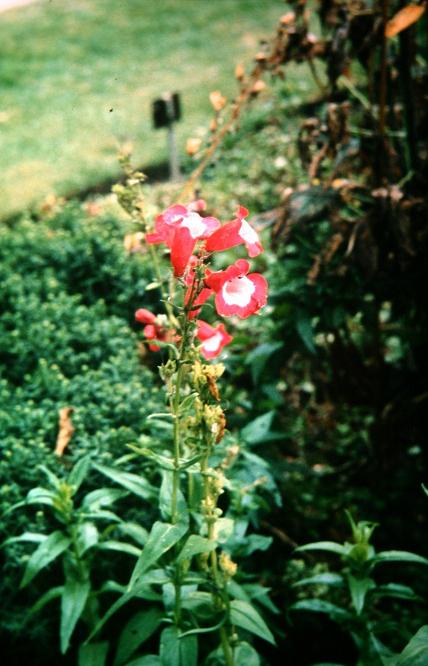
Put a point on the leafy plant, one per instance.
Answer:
(357, 591)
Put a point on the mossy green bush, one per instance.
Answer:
(67, 339)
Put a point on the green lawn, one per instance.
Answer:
(77, 78)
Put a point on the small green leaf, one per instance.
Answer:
(120, 547)
(40, 496)
(321, 606)
(244, 615)
(49, 549)
(93, 654)
(258, 431)
(176, 651)
(87, 537)
(304, 329)
(73, 600)
(139, 628)
(46, 598)
(399, 556)
(322, 579)
(30, 537)
(79, 472)
(327, 546)
(359, 588)
(195, 545)
(395, 590)
(245, 655)
(132, 482)
(102, 497)
(162, 537)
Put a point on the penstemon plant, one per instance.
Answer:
(195, 581)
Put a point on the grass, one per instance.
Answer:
(77, 80)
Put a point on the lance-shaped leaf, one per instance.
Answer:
(244, 615)
(79, 472)
(132, 482)
(73, 601)
(399, 556)
(321, 606)
(139, 628)
(195, 545)
(327, 546)
(49, 549)
(162, 537)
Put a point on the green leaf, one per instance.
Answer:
(395, 590)
(399, 556)
(135, 531)
(327, 546)
(304, 329)
(245, 655)
(162, 537)
(46, 598)
(244, 615)
(139, 628)
(176, 651)
(40, 496)
(49, 549)
(258, 431)
(359, 588)
(79, 472)
(416, 651)
(120, 547)
(30, 537)
(52, 478)
(322, 579)
(93, 654)
(132, 482)
(321, 606)
(165, 497)
(87, 537)
(223, 529)
(73, 602)
(258, 357)
(147, 660)
(102, 497)
(195, 545)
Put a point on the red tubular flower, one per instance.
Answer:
(234, 233)
(238, 293)
(213, 338)
(180, 227)
(154, 330)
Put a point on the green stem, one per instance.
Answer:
(227, 650)
(165, 297)
(224, 637)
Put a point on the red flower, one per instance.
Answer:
(180, 227)
(213, 338)
(154, 329)
(238, 293)
(234, 233)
